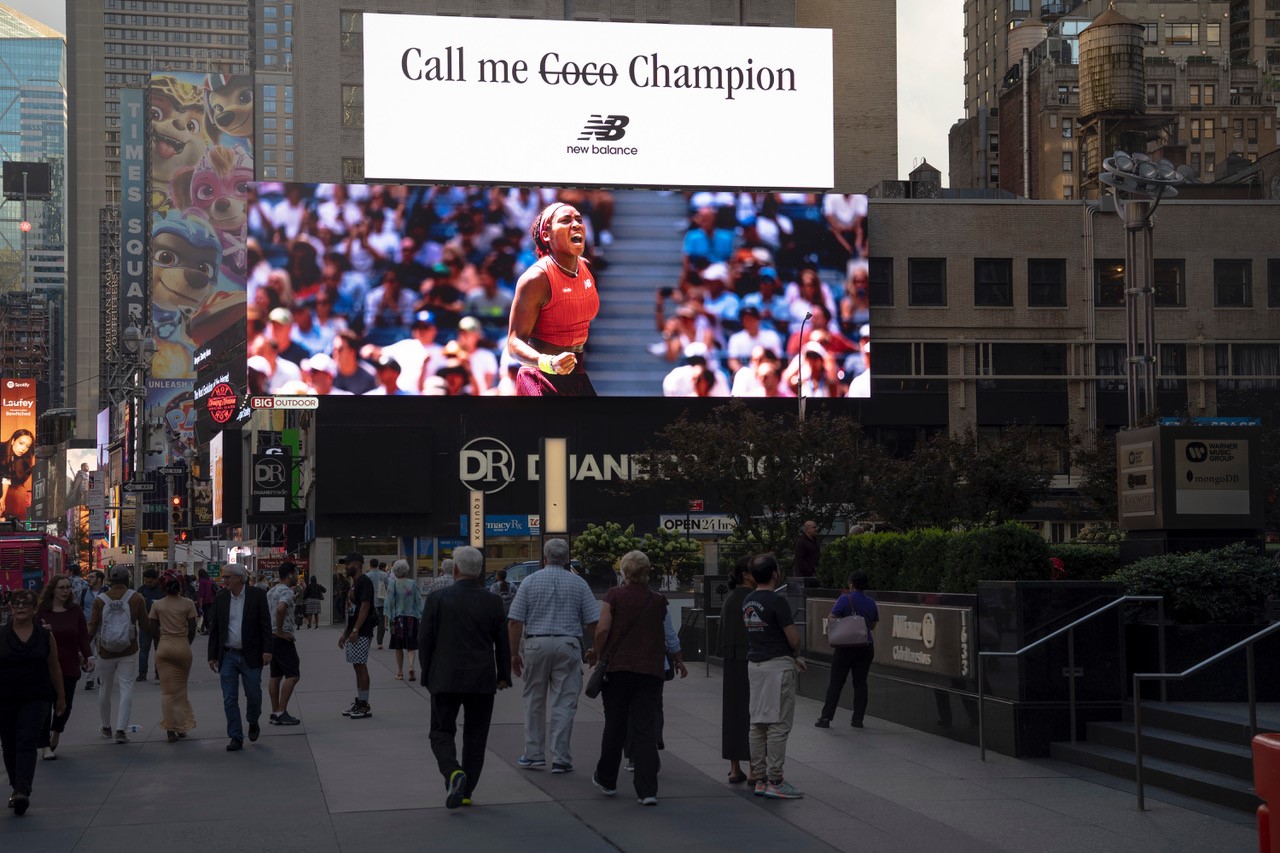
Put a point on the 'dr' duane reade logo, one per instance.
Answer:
(486, 465)
(605, 128)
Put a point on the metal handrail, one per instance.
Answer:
(1069, 630)
(1164, 677)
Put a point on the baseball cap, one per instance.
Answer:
(120, 573)
(696, 349)
(769, 272)
(815, 348)
(322, 362)
(750, 311)
(716, 272)
(388, 363)
(865, 330)
(423, 318)
(280, 316)
(260, 364)
(468, 324)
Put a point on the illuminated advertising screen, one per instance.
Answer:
(17, 445)
(595, 103)
(200, 146)
(493, 291)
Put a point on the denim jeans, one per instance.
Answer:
(233, 672)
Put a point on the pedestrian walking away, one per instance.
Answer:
(116, 625)
(772, 643)
(378, 576)
(206, 591)
(633, 646)
(545, 627)
(358, 636)
(314, 598)
(466, 659)
(94, 583)
(30, 683)
(151, 593)
(173, 625)
(735, 699)
(403, 612)
(59, 612)
(851, 662)
(240, 644)
(286, 669)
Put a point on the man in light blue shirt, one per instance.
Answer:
(548, 613)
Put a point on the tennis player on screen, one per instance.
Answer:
(556, 300)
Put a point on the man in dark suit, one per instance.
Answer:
(466, 660)
(240, 643)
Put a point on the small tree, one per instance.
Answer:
(602, 546)
(672, 555)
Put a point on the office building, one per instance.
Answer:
(115, 44)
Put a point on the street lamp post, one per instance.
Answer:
(128, 386)
(1138, 183)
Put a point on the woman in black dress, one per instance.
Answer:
(735, 711)
(17, 460)
(30, 681)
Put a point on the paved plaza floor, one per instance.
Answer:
(372, 785)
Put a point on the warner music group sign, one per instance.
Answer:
(592, 103)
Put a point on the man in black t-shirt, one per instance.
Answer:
(772, 642)
(359, 633)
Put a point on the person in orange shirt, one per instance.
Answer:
(556, 300)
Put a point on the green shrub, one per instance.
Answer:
(1087, 562)
(1226, 586)
(934, 560)
(1006, 552)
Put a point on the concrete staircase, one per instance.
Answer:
(1193, 751)
(644, 256)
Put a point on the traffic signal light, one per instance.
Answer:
(177, 513)
(183, 535)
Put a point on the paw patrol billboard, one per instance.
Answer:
(200, 154)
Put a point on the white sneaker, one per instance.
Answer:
(648, 801)
(48, 754)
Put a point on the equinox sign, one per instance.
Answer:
(486, 464)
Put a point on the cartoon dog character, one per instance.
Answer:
(185, 255)
(229, 101)
(179, 137)
(218, 187)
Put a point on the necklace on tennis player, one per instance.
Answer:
(570, 273)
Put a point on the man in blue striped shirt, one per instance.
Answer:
(549, 612)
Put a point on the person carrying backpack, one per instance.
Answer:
(119, 616)
(503, 590)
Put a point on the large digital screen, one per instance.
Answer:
(17, 445)
(595, 103)
(451, 291)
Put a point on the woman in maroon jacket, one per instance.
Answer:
(65, 618)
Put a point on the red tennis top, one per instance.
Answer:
(574, 303)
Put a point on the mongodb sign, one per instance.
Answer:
(579, 103)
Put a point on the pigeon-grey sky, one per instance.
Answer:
(930, 73)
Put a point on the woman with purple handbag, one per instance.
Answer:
(850, 632)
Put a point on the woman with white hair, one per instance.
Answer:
(403, 608)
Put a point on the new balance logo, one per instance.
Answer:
(605, 128)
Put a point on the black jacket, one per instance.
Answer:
(255, 628)
(463, 645)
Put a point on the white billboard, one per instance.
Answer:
(578, 103)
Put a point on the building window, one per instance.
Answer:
(1068, 192)
(352, 170)
(1166, 94)
(1209, 90)
(352, 28)
(927, 281)
(992, 282)
(1108, 364)
(904, 359)
(1232, 284)
(1173, 363)
(1151, 33)
(270, 172)
(1108, 283)
(1067, 124)
(1194, 97)
(1195, 124)
(1213, 34)
(1251, 131)
(993, 175)
(1153, 94)
(353, 106)
(1169, 276)
(1273, 283)
(1179, 34)
(1047, 283)
(270, 139)
(993, 143)
(1248, 360)
(880, 281)
(269, 123)
(1068, 161)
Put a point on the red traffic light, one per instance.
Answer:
(176, 501)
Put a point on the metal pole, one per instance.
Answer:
(1133, 214)
(1137, 741)
(982, 739)
(800, 357)
(1148, 309)
(1164, 683)
(1253, 703)
(1071, 681)
(169, 516)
